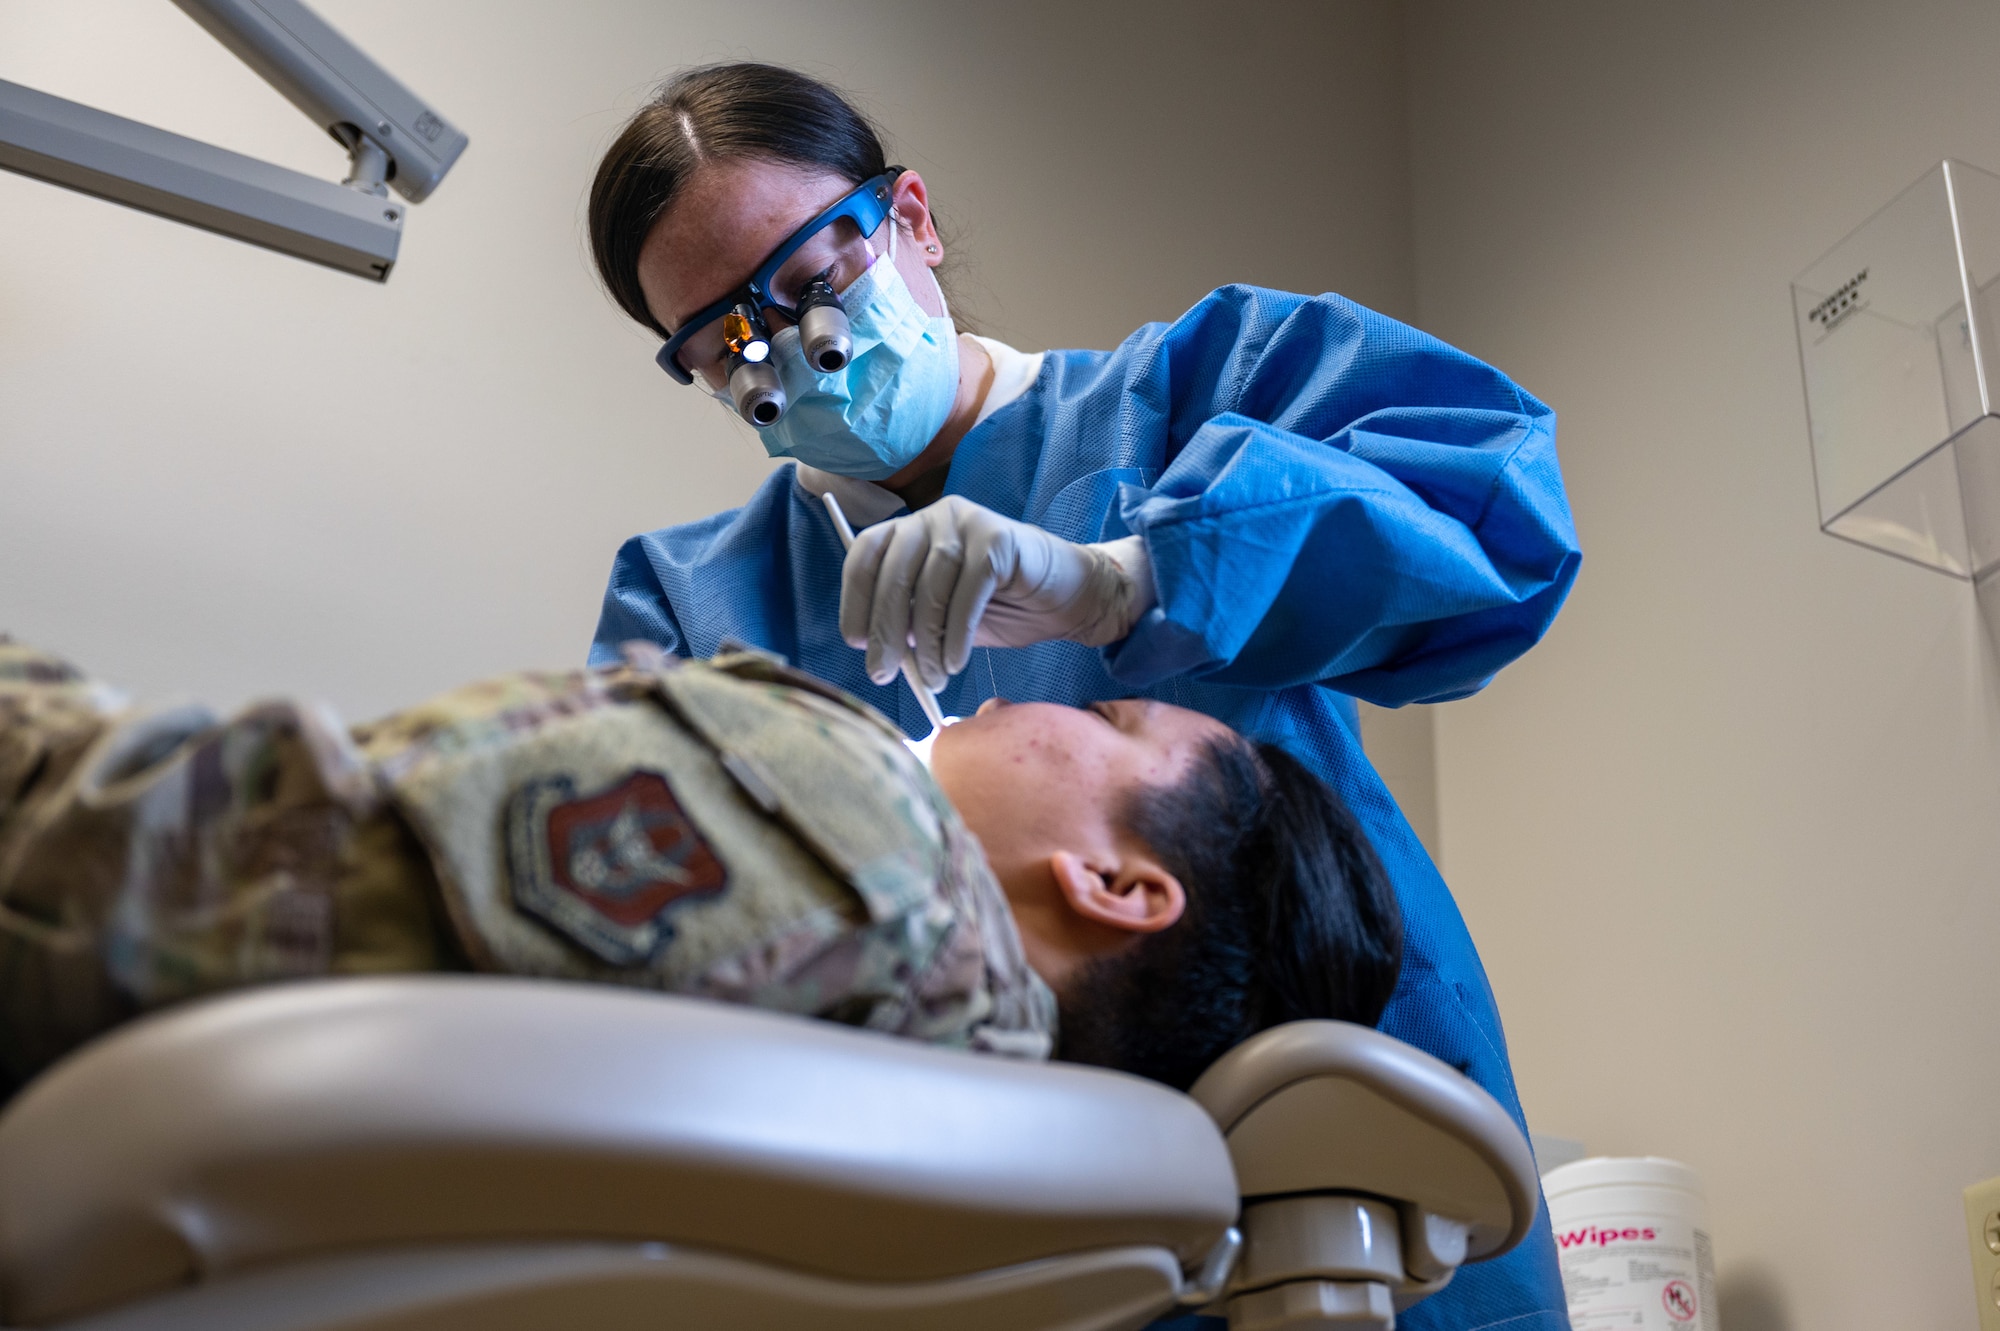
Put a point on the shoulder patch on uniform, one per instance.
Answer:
(605, 867)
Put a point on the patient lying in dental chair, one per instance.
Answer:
(1133, 885)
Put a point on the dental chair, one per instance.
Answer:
(440, 1153)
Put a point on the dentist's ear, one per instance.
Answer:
(1136, 895)
(912, 203)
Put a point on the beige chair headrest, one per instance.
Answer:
(1326, 1106)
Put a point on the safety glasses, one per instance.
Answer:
(829, 251)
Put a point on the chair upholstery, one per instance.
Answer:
(297, 1121)
(645, 1287)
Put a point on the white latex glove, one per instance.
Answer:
(935, 583)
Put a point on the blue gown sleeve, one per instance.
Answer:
(1346, 501)
(733, 576)
(636, 605)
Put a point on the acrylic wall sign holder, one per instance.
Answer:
(1899, 339)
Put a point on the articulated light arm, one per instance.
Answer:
(393, 141)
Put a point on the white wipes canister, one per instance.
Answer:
(1632, 1237)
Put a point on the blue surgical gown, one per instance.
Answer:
(1336, 506)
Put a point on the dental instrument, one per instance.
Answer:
(925, 698)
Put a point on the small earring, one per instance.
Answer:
(930, 249)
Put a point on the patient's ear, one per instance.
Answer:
(1137, 895)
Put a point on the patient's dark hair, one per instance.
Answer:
(1289, 916)
(715, 113)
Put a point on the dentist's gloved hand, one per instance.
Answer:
(936, 583)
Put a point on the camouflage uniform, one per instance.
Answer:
(730, 829)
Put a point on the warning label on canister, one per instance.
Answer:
(1637, 1271)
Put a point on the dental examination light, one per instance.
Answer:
(393, 141)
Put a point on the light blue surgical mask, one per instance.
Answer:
(872, 417)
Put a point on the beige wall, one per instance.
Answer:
(1728, 839)
(1402, 743)
(224, 472)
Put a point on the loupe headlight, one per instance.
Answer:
(754, 386)
(825, 336)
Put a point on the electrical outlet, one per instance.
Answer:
(1982, 1225)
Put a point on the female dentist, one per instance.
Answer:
(1268, 507)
